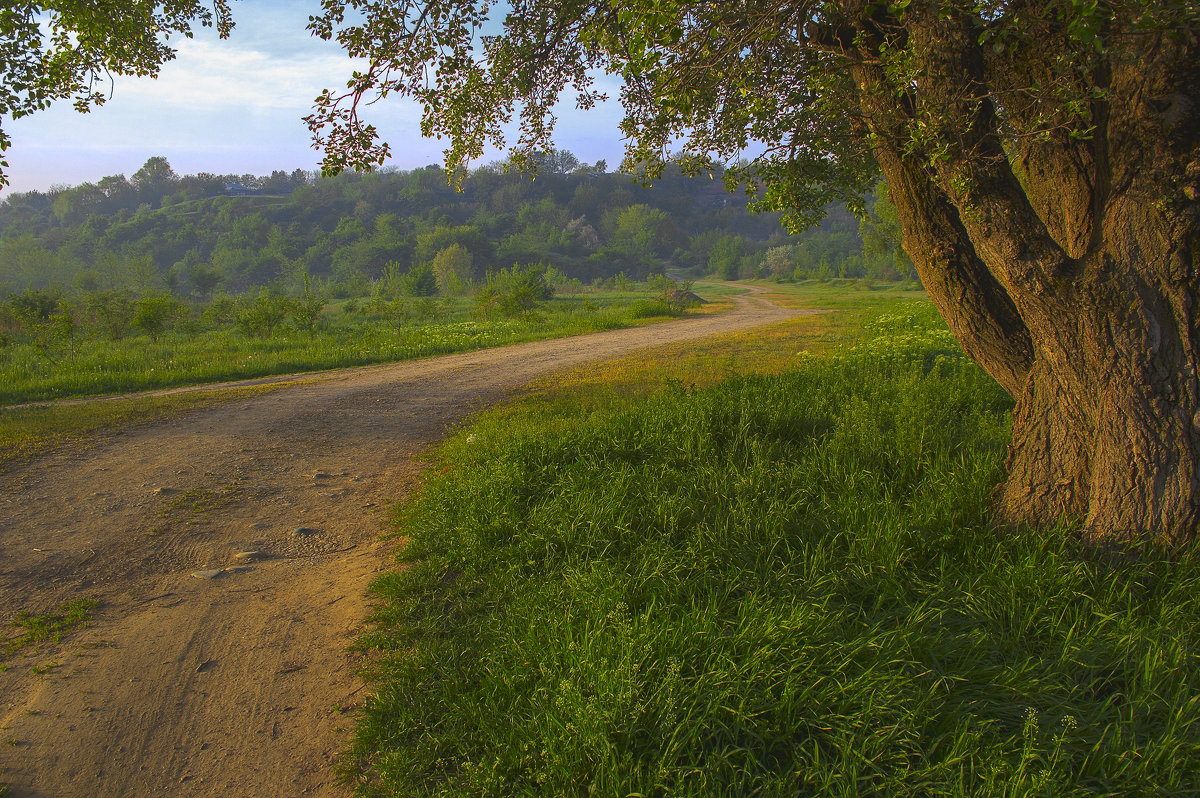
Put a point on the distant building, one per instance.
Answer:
(238, 190)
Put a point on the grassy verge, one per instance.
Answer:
(775, 585)
(435, 327)
(26, 432)
(764, 350)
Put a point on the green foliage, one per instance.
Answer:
(701, 93)
(675, 299)
(778, 586)
(639, 238)
(452, 270)
(110, 311)
(511, 292)
(45, 322)
(357, 234)
(205, 349)
(649, 308)
(260, 316)
(58, 51)
(306, 309)
(725, 257)
(419, 281)
(882, 239)
(34, 307)
(390, 280)
(156, 313)
(222, 310)
(467, 237)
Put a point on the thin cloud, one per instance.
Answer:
(236, 106)
(209, 75)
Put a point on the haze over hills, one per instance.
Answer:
(197, 235)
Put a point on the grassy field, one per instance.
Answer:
(373, 333)
(766, 568)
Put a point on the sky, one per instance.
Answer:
(234, 106)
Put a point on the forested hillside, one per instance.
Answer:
(398, 232)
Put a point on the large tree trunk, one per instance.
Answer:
(1104, 428)
(1068, 269)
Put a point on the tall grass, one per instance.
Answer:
(97, 367)
(779, 585)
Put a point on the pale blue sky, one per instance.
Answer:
(235, 106)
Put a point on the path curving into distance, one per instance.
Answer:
(231, 549)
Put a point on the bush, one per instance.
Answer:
(222, 310)
(154, 314)
(259, 317)
(111, 311)
(649, 308)
(34, 307)
(513, 292)
(307, 308)
(419, 281)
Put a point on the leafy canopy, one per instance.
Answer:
(702, 80)
(705, 79)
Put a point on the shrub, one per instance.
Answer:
(648, 308)
(156, 313)
(512, 292)
(33, 307)
(306, 309)
(222, 310)
(419, 281)
(111, 311)
(259, 317)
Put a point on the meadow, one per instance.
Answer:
(348, 333)
(765, 566)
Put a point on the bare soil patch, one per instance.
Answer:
(231, 549)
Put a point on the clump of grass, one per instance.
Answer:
(650, 308)
(48, 628)
(778, 585)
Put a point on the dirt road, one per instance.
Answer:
(230, 550)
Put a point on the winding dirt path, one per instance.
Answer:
(231, 549)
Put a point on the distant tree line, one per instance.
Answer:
(409, 233)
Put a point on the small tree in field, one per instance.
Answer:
(260, 316)
(47, 322)
(111, 311)
(452, 270)
(513, 292)
(307, 308)
(155, 314)
(419, 281)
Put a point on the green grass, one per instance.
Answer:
(49, 628)
(426, 328)
(775, 585)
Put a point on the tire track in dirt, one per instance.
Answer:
(231, 549)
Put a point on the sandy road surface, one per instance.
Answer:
(208, 674)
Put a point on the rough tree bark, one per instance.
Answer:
(1067, 267)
